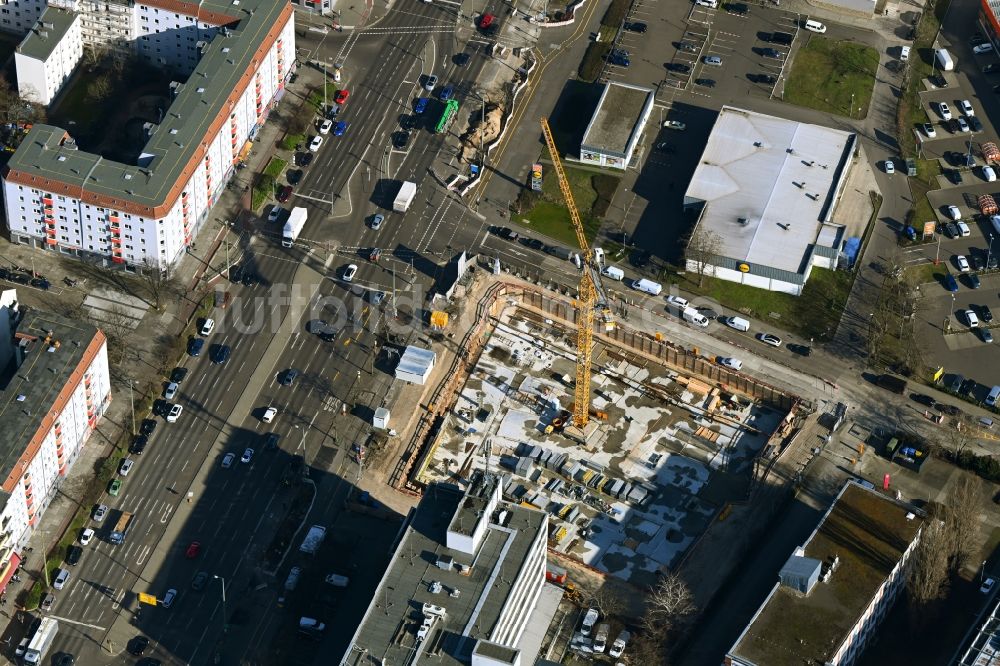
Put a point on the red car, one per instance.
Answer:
(341, 96)
(192, 551)
(486, 20)
(284, 193)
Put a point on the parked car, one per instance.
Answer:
(890, 168)
(980, 49)
(966, 107)
(174, 413)
(316, 142)
(341, 96)
(954, 213)
(674, 125)
(192, 550)
(714, 61)
(769, 339)
(247, 455)
(944, 111)
(929, 131)
(635, 26)
(207, 326)
(178, 375)
(227, 460)
(86, 536)
(987, 586)
(340, 128)
(729, 362)
(325, 126)
(100, 513)
(962, 263)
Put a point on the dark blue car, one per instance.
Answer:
(195, 345)
(447, 92)
(340, 128)
(950, 283)
(421, 105)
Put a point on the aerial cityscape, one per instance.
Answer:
(500, 333)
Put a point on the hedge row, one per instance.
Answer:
(593, 61)
(616, 13)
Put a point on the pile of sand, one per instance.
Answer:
(480, 132)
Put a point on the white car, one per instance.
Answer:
(989, 175)
(963, 263)
(174, 414)
(674, 125)
(269, 414)
(962, 124)
(944, 110)
(170, 391)
(349, 272)
(890, 168)
(86, 536)
(62, 577)
(980, 49)
(966, 107)
(677, 302)
(731, 363)
(274, 214)
(769, 339)
(227, 460)
(325, 127)
(987, 586)
(971, 319)
(963, 229)
(929, 130)
(126, 466)
(100, 512)
(247, 456)
(208, 327)
(954, 213)
(317, 141)
(619, 645)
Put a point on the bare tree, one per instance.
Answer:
(668, 601)
(958, 438)
(99, 87)
(928, 574)
(159, 283)
(703, 246)
(961, 517)
(117, 326)
(606, 601)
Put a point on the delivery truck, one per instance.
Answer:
(293, 227)
(407, 192)
(41, 642)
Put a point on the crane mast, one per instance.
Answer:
(588, 296)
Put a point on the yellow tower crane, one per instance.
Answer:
(589, 297)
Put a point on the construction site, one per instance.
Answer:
(631, 444)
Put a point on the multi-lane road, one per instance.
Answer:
(178, 489)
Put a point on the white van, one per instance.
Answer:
(814, 26)
(904, 53)
(613, 272)
(707, 3)
(738, 323)
(692, 316)
(648, 286)
(577, 261)
(599, 256)
(991, 399)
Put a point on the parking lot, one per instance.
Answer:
(942, 326)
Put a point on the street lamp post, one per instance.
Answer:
(131, 402)
(225, 626)
(989, 251)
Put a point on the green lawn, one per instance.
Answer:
(814, 314)
(550, 216)
(829, 75)
(316, 96)
(275, 167)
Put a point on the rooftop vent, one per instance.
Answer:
(743, 220)
(757, 144)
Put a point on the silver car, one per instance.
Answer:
(431, 83)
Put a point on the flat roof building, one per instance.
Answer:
(46, 57)
(232, 60)
(55, 386)
(462, 584)
(765, 190)
(616, 127)
(834, 591)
